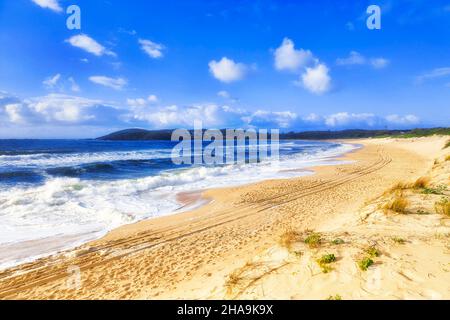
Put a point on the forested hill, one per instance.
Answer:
(141, 134)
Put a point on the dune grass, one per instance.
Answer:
(422, 182)
(398, 204)
(313, 240)
(443, 207)
(288, 238)
(398, 240)
(447, 144)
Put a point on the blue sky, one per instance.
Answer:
(293, 65)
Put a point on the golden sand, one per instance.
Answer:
(248, 242)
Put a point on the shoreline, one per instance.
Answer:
(186, 201)
(172, 256)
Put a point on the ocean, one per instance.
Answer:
(58, 194)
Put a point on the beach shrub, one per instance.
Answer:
(365, 263)
(439, 190)
(288, 238)
(447, 158)
(324, 262)
(443, 207)
(398, 240)
(335, 297)
(338, 241)
(421, 183)
(373, 252)
(313, 240)
(398, 204)
(447, 144)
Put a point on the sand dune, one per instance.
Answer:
(231, 247)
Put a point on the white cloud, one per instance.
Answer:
(379, 63)
(316, 79)
(408, 119)
(49, 4)
(288, 58)
(152, 98)
(141, 102)
(73, 85)
(114, 83)
(41, 114)
(344, 118)
(14, 113)
(88, 44)
(434, 74)
(355, 58)
(52, 81)
(263, 118)
(174, 116)
(226, 70)
(152, 49)
(352, 59)
(223, 94)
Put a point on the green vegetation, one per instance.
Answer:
(439, 190)
(335, 297)
(338, 241)
(373, 252)
(417, 133)
(365, 263)
(325, 261)
(398, 240)
(313, 240)
(443, 206)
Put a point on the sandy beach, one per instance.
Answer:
(254, 241)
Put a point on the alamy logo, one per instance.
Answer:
(374, 19)
(231, 146)
(73, 22)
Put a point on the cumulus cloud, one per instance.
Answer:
(344, 118)
(408, 119)
(226, 70)
(288, 58)
(41, 114)
(49, 4)
(90, 45)
(314, 75)
(14, 113)
(263, 118)
(114, 83)
(52, 108)
(173, 116)
(152, 49)
(316, 79)
(140, 102)
(356, 58)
